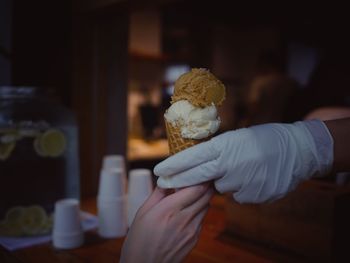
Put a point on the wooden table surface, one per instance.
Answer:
(215, 245)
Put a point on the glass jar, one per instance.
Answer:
(39, 161)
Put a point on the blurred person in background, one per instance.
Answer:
(270, 92)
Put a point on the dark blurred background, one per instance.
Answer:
(113, 63)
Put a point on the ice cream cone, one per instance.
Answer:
(175, 140)
(193, 109)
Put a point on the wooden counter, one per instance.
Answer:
(214, 245)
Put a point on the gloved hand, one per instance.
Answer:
(167, 227)
(260, 163)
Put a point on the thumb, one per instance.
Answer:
(186, 159)
(202, 173)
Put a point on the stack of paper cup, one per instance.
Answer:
(140, 188)
(111, 203)
(115, 161)
(67, 229)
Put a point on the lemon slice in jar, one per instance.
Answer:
(51, 143)
(47, 226)
(37, 147)
(3, 228)
(6, 150)
(33, 220)
(11, 225)
(7, 143)
(14, 214)
(10, 229)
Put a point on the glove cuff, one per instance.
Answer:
(324, 145)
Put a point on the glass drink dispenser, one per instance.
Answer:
(39, 161)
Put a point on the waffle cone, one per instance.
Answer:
(175, 140)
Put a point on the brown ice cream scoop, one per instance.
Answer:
(200, 87)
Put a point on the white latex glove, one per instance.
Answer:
(260, 163)
(167, 227)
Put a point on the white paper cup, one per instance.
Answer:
(112, 183)
(111, 162)
(67, 229)
(112, 217)
(140, 188)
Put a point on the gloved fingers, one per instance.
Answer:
(183, 197)
(230, 183)
(179, 181)
(186, 159)
(193, 176)
(157, 195)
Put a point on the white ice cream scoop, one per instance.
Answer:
(194, 122)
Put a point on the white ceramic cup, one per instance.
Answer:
(111, 183)
(67, 228)
(112, 217)
(140, 188)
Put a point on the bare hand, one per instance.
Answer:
(167, 227)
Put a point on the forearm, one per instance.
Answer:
(340, 131)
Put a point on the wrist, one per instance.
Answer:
(323, 145)
(340, 130)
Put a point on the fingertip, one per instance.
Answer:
(159, 190)
(211, 189)
(161, 169)
(163, 182)
(166, 191)
(157, 193)
(156, 170)
(203, 186)
(206, 185)
(198, 189)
